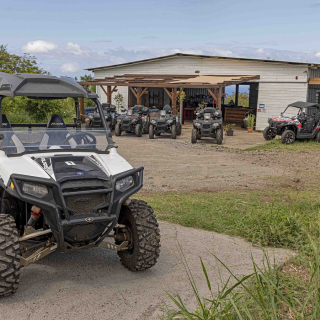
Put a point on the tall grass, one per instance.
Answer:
(266, 294)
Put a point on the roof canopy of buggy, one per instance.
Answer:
(39, 86)
(300, 104)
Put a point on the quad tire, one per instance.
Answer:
(194, 136)
(138, 130)
(173, 131)
(288, 137)
(318, 136)
(219, 136)
(144, 249)
(9, 256)
(178, 129)
(268, 134)
(151, 132)
(117, 130)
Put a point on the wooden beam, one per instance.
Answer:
(134, 93)
(144, 90)
(219, 94)
(82, 109)
(114, 90)
(104, 90)
(168, 93)
(109, 94)
(213, 95)
(174, 100)
(139, 95)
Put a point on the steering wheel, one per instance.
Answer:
(83, 140)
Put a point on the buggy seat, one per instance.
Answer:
(56, 137)
(10, 139)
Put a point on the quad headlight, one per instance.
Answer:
(169, 121)
(217, 113)
(216, 124)
(197, 124)
(35, 189)
(153, 121)
(124, 184)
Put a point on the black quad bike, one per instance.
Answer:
(208, 123)
(136, 120)
(94, 119)
(165, 123)
(300, 120)
(65, 188)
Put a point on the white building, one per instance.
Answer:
(280, 83)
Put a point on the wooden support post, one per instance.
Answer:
(219, 98)
(82, 109)
(212, 94)
(139, 91)
(174, 100)
(109, 94)
(168, 93)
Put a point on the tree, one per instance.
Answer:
(12, 63)
(243, 99)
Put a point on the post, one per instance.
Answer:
(109, 93)
(237, 95)
(174, 100)
(139, 96)
(82, 109)
(219, 98)
(181, 110)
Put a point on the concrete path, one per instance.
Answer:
(93, 284)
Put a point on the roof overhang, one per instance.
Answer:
(172, 81)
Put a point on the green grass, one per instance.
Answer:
(298, 145)
(279, 218)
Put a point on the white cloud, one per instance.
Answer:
(70, 67)
(74, 48)
(317, 55)
(39, 46)
(260, 50)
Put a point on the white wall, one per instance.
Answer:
(278, 85)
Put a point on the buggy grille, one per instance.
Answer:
(206, 126)
(85, 203)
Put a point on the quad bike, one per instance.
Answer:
(136, 120)
(94, 119)
(304, 124)
(165, 123)
(208, 123)
(65, 188)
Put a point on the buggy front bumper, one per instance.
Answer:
(60, 218)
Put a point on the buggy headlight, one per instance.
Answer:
(124, 184)
(35, 189)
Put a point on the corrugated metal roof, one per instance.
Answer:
(201, 57)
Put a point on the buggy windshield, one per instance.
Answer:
(39, 140)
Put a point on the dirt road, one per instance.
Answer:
(93, 285)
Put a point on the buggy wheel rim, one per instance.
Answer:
(290, 138)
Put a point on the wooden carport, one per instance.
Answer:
(169, 81)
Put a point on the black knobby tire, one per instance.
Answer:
(117, 130)
(178, 129)
(194, 136)
(219, 136)
(151, 132)
(288, 137)
(9, 256)
(158, 134)
(268, 134)
(318, 136)
(145, 247)
(173, 132)
(138, 130)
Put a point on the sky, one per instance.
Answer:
(68, 36)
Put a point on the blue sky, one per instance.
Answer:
(69, 36)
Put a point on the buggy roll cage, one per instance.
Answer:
(46, 87)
